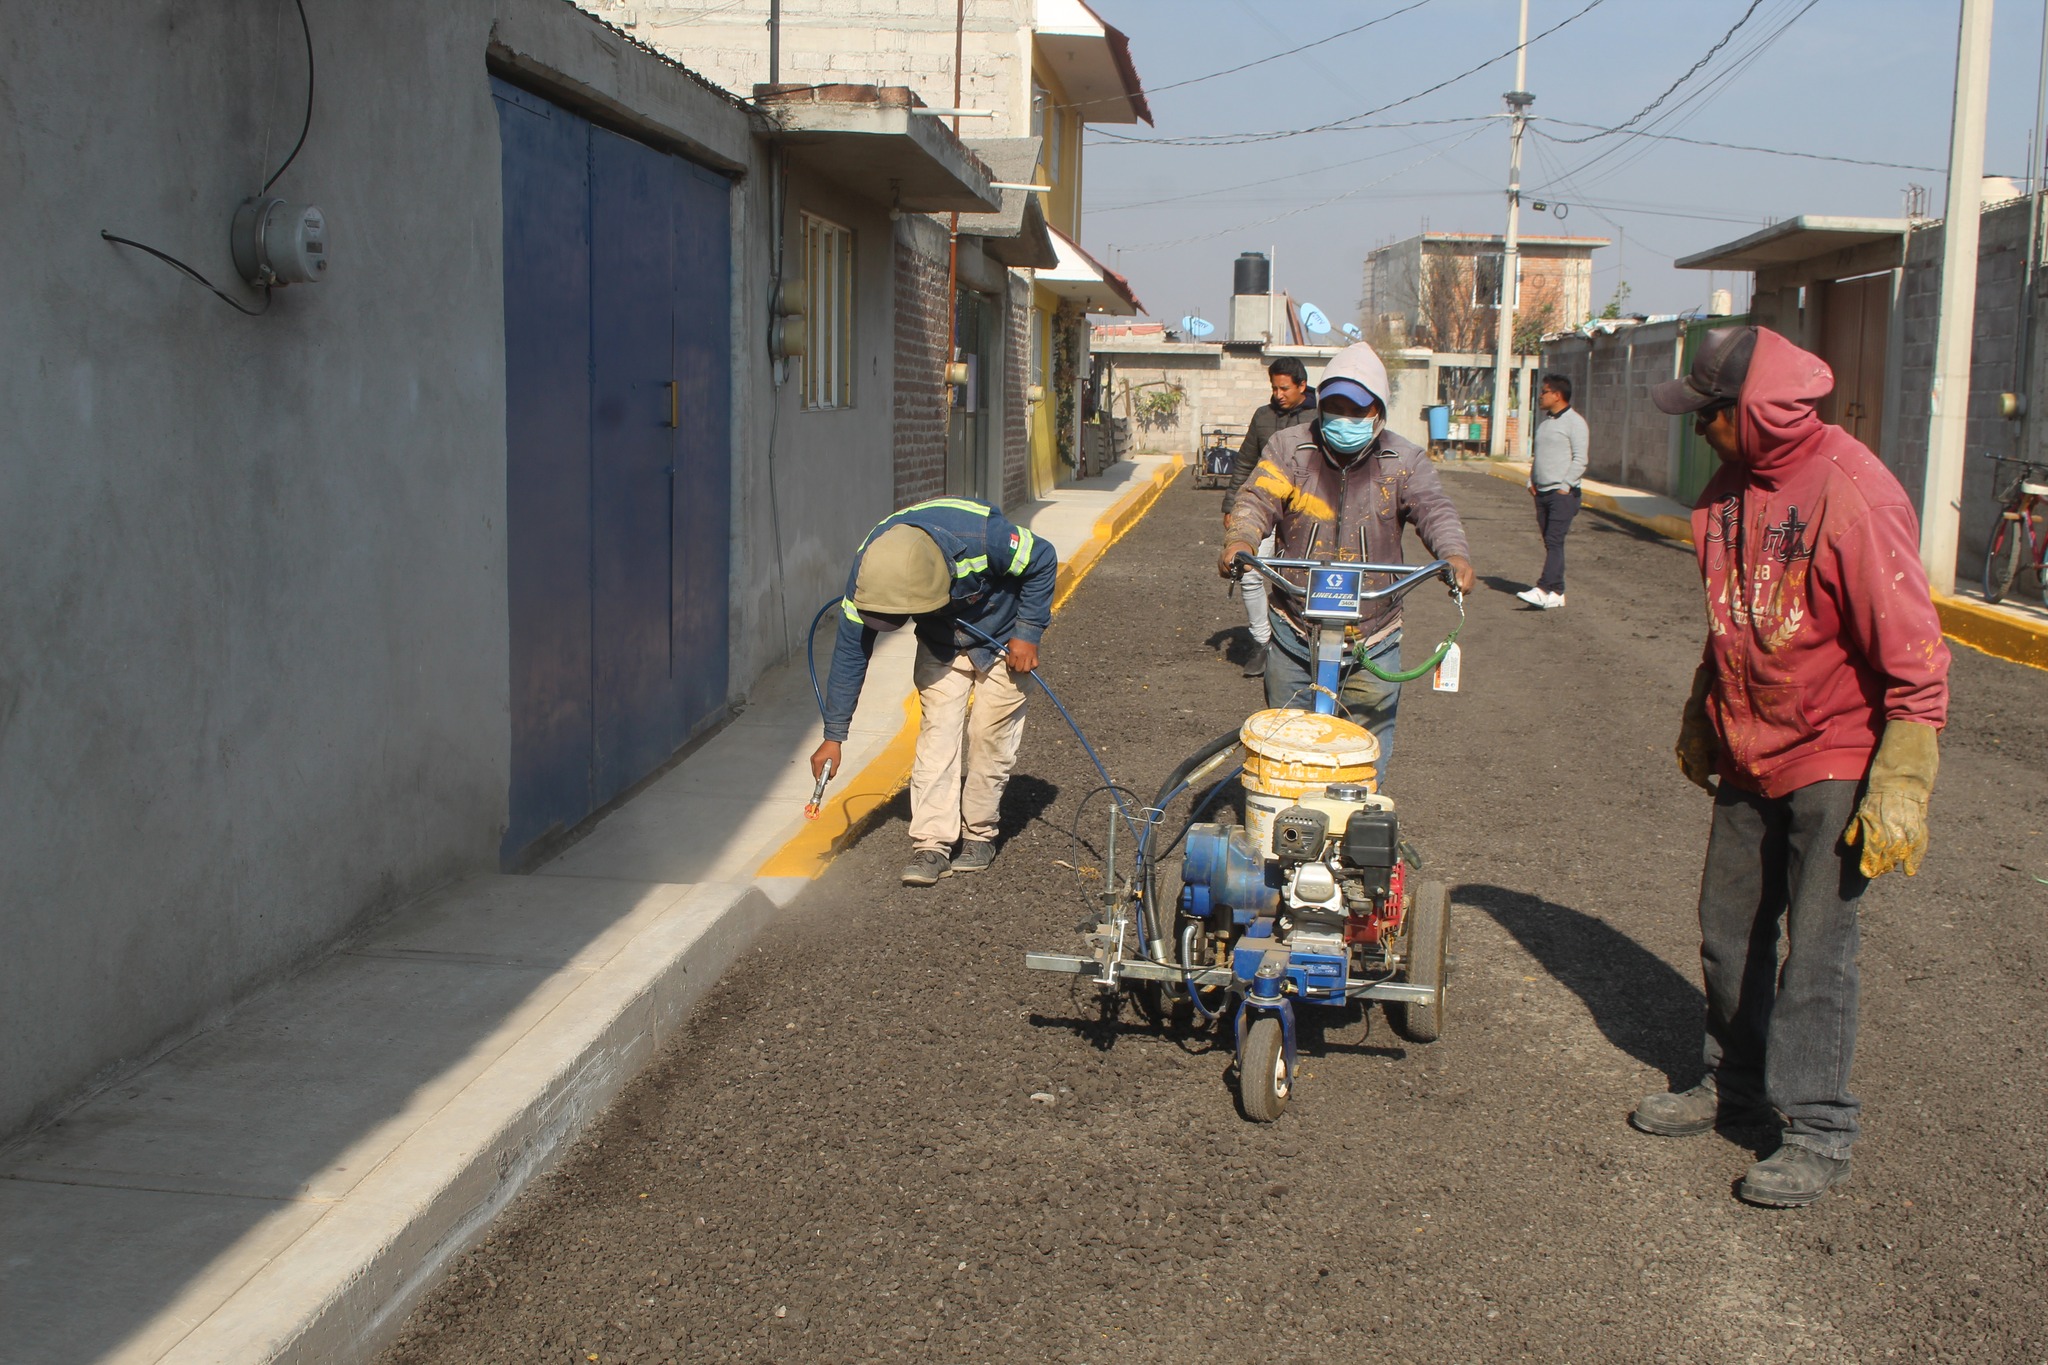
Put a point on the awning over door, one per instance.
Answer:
(1087, 282)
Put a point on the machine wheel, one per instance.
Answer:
(2002, 559)
(1262, 1080)
(1429, 937)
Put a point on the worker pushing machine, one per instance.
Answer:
(961, 571)
(1324, 488)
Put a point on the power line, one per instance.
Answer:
(1690, 72)
(1291, 175)
(1678, 115)
(1726, 146)
(1233, 70)
(1347, 122)
(1305, 208)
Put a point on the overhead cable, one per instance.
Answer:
(1349, 120)
(1690, 72)
(1730, 146)
(1319, 204)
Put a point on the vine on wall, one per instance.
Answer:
(1067, 325)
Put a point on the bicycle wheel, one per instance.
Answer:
(2002, 558)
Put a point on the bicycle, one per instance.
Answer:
(2019, 538)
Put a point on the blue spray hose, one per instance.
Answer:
(1115, 793)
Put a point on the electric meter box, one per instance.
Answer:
(277, 242)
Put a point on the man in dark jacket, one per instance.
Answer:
(1293, 403)
(943, 563)
(1319, 487)
(1812, 721)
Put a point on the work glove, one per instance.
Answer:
(1891, 822)
(1698, 748)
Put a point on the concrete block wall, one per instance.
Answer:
(1995, 339)
(919, 360)
(860, 42)
(1629, 440)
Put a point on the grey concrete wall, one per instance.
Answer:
(810, 483)
(253, 682)
(2001, 262)
(1611, 373)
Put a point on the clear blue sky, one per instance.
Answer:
(1869, 79)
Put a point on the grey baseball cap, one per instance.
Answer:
(1718, 369)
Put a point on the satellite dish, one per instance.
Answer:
(1197, 327)
(1351, 330)
(1313, 319)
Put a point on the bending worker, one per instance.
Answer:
(1319, 487)
(946, 563)
(1812, 721)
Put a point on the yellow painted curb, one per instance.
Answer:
(1990, 631)
(1671, 528)
(845, 817)
(1110, 528)
(1978, 625)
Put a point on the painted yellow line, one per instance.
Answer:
(1979, 625)
(845, 817)
(2002, 635)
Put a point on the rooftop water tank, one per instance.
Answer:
(1253, 274)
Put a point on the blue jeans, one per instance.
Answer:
(1360, 695)
(1784, 1034)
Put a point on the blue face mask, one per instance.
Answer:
(1347, 435)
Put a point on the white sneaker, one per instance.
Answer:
(1552, 601)
(1535, 597)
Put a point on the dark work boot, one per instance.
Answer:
(1255, 667)
(925, 868)
(1688, 1113)
(975, 855)
(1792, 1177)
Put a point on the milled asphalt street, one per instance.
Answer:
(842, 1158)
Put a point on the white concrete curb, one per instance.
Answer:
(339, 1291)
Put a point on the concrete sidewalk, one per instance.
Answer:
(2012, 630)
(284, 1186)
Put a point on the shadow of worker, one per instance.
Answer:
(1639, 1003)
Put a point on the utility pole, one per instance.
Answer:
(1949, 402)
(1518, 101)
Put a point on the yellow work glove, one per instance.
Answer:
(1891, 822)
(1698, 747)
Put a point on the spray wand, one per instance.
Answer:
(818, 792)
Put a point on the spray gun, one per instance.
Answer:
(818, 792)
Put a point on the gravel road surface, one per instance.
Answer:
(842, 1159)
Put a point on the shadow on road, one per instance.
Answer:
(1642, 1006)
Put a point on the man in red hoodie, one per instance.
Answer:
(1815, 709)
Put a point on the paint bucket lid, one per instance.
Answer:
(1286, 735)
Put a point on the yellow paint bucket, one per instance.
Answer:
(1290, 754)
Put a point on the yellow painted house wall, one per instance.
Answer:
(1063, 211)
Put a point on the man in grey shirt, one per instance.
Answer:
(1554, 474)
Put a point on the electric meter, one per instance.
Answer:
(276, 242)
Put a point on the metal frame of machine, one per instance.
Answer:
(1315, 901)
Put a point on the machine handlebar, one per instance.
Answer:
(1407, 576)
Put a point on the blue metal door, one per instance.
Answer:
(702, 512)
(618, 460)
(546, 154)
(632, 264)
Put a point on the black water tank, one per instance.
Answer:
(1253, 275)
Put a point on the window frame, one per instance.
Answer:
(826, 381)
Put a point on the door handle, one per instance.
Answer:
(675, 403)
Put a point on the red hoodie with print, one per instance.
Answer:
(1821, 626)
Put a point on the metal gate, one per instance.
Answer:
(618, 458)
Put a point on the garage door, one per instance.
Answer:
(618, 458)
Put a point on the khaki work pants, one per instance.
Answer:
(943, 806)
